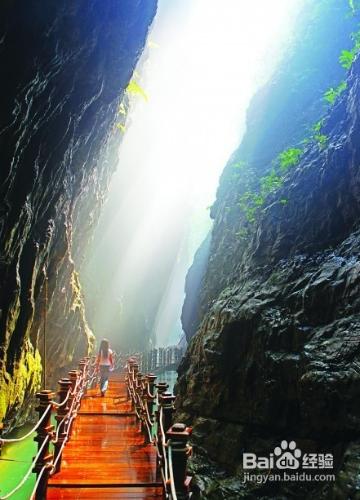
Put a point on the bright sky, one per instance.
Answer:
(205, 60)
(199, 80)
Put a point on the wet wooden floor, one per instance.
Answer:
(106, 457)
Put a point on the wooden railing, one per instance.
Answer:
(48, 462)
(152, 404)
(160, 359)
(154, 408)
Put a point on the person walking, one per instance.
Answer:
(105, 364)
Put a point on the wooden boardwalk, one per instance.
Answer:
(106, 457)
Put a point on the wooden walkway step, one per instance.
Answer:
(105, 493)
(106, 457)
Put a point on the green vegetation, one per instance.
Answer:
(122, 110)
(122, 113)
(322, 140)
(238, 169)
(254, 198)
(347, 58)
(318, 126)
(332, 94)
(121, 127)
(247, 206)
(239, 165)
(252, 201)
(289, 158)
(135, 89)
(25, 379)
(317, 135)
(270, 183)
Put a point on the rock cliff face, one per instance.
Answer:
(190, 315)
(65, 67)
(277, 348)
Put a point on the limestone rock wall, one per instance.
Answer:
(65, 67)
(276, 354)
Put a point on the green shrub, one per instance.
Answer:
(321, 140)
(332, 94)
(347, 58)
(289, 158)
(318, 126)
(135, 89)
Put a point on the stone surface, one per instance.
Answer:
(66, 65)
(276, 354)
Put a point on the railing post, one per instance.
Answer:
(144, 388)
(133, 366)
(44, 430)
(178, 437)
(73, 376)
(128, 376)
(150, 398)
(64, 387)
(166, 401)
(139, 393)
(163, 403)
(83, 366)
(161, 387)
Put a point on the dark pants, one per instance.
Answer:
(104, 377)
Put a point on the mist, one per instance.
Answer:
(203, 63)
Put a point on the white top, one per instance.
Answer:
(106, 361)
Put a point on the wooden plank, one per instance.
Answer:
(127, 486)
(107, 456)
(113, 414)
(140, 493)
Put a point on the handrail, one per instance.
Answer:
(28, 472)
(28, 434)
(79, 380)
(60, 405)
(54, 464)
(38, 481)
(171, 472)
(163, 445)
(143, 398)
(161, 358)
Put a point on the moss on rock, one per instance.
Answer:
(23, 383)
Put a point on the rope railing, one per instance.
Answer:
(46, 463)
(63, 403)
(171, 471)
(154, 408)
(28, 434)
(28, 472)
(37, 483)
